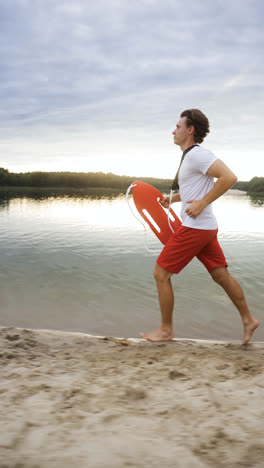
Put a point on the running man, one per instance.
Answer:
(197, 236)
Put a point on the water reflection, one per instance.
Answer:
(257, 199)
(91, 193)
(4, 202)
(48, 194)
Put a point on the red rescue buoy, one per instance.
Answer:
(146, 199)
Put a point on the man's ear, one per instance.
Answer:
(191, 130)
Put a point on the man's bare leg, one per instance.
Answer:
(166, 300)
(235, 292)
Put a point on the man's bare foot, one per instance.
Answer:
(159, 335)
(249, 330)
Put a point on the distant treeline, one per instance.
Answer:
(76, 180)
(255, 185)
(99, 180)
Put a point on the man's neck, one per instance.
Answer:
(187, 144)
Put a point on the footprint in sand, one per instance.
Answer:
(176, 375)
(110, 417)
(135, 394)
(12, 337)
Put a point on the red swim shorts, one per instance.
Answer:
(187, 243)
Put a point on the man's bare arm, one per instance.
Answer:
(225, 180)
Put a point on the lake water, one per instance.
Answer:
(79, 263)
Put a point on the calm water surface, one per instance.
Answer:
(79, 263)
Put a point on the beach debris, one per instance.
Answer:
(121, 341)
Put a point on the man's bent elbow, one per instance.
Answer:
(231, 178)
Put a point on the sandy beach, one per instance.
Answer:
(70, 399)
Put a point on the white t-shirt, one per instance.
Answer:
(194, 183)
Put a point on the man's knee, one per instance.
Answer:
(160, 274)
(220, 275)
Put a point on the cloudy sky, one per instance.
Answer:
(98, 85)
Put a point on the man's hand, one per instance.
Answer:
(195, 208)
(225, 180)
(165, 202)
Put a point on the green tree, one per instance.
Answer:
(256, 185)
(4, 176)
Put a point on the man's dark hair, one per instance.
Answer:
(200, 122)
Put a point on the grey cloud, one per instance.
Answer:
(70, 63)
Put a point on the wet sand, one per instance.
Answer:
(69, 399)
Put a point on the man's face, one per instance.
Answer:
(181, 132)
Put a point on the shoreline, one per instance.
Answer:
(131, 339)
(110, 402)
